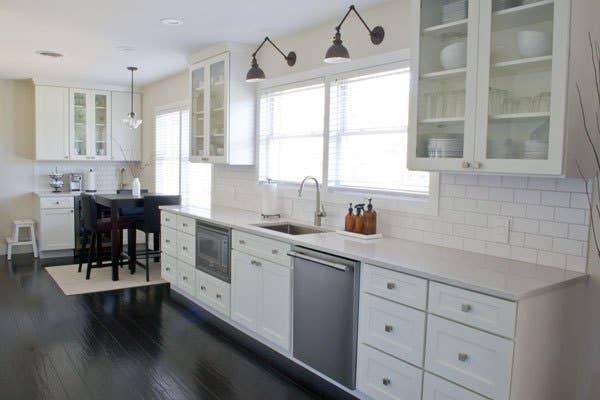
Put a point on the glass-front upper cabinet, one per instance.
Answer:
(90, 125)
(210, 102)
(523, 52)
(444, 78)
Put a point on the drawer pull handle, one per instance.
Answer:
(274, 251)
(386, 381)
(218, 296)
(185, 225)
(257, 263)
(242, 241)
(389, 328)
(202, 287)
(466, 308)
(463, 357)
(168, 268)
(167, 220)
(391, 285)
(184, 278)
(167, 241)
(184, 248)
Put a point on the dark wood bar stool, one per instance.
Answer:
(97, 227)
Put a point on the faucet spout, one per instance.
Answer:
(319, 209)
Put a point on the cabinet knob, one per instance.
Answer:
(391, 285)
(466, 308)
(202, 287)
(386, 381)
(389, 328)
(184, 248)
(257, 263)
(463, 357)
(184, 278)
(274, 251)
(241, 241)
(57, 203)
(466, 164)
(218, 296)
(185, 225)
(167, 241)
(168, 268)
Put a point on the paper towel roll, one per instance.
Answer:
(270, 201)
(90, 181)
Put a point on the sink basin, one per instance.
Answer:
(291, 229)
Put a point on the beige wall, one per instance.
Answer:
(16, 154)
(162, 93)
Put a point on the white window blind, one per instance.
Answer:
(291, 133)
(368, 134)
(174, 173)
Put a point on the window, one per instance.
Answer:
(174, 173)
(366, 116)
(368, 122)
(291, 133)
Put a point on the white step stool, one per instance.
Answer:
(14, 240)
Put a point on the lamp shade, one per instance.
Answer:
(131, 121)
(337, 52)
(255, 74)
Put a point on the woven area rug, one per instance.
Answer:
(72, 282)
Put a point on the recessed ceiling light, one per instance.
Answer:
(48, 53)
(171, 21)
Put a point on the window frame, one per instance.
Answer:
(402, 201)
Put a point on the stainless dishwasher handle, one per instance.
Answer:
(341, 267)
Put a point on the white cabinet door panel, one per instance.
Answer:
(275, 303)
(245, 290)
(57, 229)
(51, 123)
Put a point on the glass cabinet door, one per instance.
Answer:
(79, 127)
(100, 124)
(442, 127)
(217, 107)
(520, 52)
(197, 114)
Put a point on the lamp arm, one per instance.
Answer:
(350, 9)
(273, 44)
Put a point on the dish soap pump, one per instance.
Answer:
(370, 217)
(359, 223)
(349, 222)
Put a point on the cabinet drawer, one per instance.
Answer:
(185, 277)
(474, 359)
(267, 249)
(56, 202)
(392, 328)
(213, 292)
(386, 378)
(168, 239)
(168, 219)
(186, 248)
(168, 268)
(435, 388)
(481, 311)
(186, 224)
(395, 286)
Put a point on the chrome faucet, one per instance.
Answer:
(319, 209)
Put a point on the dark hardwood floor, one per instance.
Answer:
(129, 344)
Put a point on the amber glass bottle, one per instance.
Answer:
(349, 222)
(370, 217)
(359, 222)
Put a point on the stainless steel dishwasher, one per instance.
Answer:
(325, 319)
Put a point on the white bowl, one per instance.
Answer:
(534, 44)
(454, 56)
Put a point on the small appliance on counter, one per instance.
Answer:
(90, 181)
(363, 224)
(74, 182)
(56, 180)
(270, 203)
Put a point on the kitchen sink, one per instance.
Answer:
(291, 229)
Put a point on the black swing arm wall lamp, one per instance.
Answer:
(255, 73)
(338, 52)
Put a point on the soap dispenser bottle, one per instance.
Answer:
(370, 218)
(359, 223)
(349, 222)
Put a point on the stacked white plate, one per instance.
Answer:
(444, 148)
(454, 10)
(536, 149)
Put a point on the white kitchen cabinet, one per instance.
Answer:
(261, 297)
(51, 123)
(504, 110)
(90, 124)
(126, 143)
(222, 108)
(57, 229)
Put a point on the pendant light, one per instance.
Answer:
(256, 74)
(338, 52)
(131, 121)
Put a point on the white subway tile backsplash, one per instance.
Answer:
(548, 216)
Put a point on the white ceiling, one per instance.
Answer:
(89, 32)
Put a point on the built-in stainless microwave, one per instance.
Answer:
(212, 250)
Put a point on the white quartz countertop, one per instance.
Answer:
(508, 279)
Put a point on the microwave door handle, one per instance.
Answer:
(337, 266)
